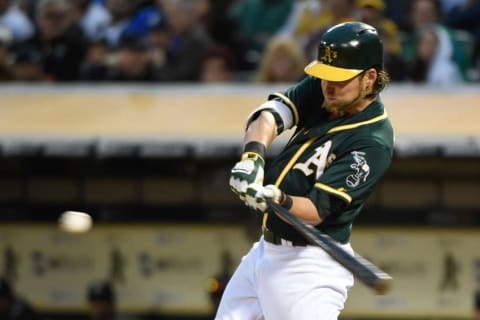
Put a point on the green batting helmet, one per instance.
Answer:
(345, 50)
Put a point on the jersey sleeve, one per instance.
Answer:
(291, 107)
(281, 112)
(301, 98)
(350, 179)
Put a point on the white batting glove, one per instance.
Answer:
(273, 192)
(249, 170)
(254, 198)
(257, 195)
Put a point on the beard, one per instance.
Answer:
(341, 108)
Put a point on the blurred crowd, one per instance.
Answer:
(426, 41)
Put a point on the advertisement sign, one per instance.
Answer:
(166, 268)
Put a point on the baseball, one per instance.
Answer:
(75, 222)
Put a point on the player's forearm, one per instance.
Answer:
(263, 129)
(304, 208)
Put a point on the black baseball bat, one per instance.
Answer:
(361, 268)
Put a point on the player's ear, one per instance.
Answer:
(370, 77)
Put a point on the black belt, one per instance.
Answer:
(271, 237)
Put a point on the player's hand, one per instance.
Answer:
(279, 196)
(257, 195)
(249, 170)
(273, 192)
(254, 198)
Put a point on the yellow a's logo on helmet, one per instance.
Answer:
(329, 55)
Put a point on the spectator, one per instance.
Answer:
(101, 301)
(12, 307)
(120, 12)
(217, 66)
(224, 30)
(115, 19)
(187, 43)
(394, 63)
(335, 11)
(219, 281)
(93, 18)
(477, 305)
(28, 65)
(306, 18)
(15, 20)
(27, 7)
(448, 5)
(96, 65)
(78, 9)
(282, 61)
(6, 39)
(466, 17)
(258, 21)
(143, 18)
(372, 12)
(425, 14)
(397, 11)
(61, 44)
(432, 63)
(158, 39)
(132, 63)
(102, 304)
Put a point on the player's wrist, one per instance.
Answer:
(286, 201)
(254, 150)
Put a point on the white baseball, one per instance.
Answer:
(75, 222)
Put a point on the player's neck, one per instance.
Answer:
(362, 105)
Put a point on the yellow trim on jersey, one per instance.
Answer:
(293, 160)
(287, 168)
(339, 192)
(264, 219)
(358, 124)
(290, 104)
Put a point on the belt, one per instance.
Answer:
(271, 237)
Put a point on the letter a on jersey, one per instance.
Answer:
(319, 160)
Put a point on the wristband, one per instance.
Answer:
(255, 147)
(287, 201)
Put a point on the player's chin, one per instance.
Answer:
(333, 106)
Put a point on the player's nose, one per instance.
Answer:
(329, 86)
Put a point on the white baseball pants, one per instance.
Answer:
(280, 282)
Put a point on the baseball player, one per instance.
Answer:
(342, 146)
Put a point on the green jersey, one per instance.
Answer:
(336, 163)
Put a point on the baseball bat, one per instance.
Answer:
(361, 268)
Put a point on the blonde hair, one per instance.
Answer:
(287, 46)
(383, 79)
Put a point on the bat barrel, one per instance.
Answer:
(383, 285)
(370, 274)
(360, 267)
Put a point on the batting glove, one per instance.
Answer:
(254, 198)
(273, 192)
(248, 170)
(257, 195)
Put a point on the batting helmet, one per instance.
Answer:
(345, 50)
